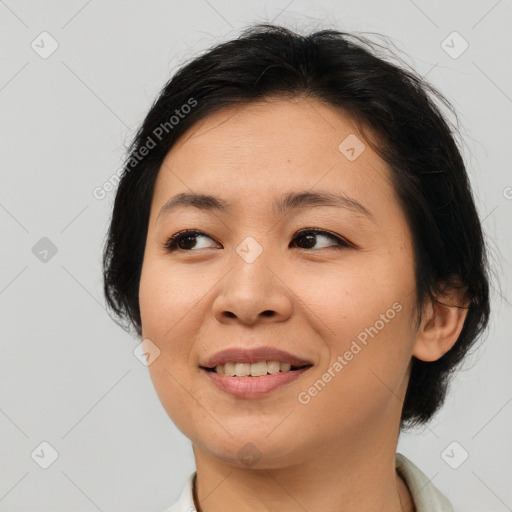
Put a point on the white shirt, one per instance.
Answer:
(425, 495)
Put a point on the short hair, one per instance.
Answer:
(398, 106)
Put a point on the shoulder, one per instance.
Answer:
(185, 502)
(427, 498)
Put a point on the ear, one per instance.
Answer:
(441, 324)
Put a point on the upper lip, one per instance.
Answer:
(244, 355)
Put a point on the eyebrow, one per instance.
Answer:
(281, 206)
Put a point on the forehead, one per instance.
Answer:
(295, 128)
(263, 149)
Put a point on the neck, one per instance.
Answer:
(357, 476)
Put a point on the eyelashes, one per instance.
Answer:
(191, 236)
(187, 234)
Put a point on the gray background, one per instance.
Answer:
(68, 373)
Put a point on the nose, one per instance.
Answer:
(253, 292)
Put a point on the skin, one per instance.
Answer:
(337, 451)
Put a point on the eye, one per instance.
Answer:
(310, 236)
(186, 240)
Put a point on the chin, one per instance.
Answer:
(257, 451)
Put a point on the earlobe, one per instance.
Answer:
(441, 324)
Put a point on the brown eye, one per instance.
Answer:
(309, 237)
(191, 240)
(186, 240)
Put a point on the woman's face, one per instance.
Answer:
(340, 299)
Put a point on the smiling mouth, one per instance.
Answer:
(259, 369)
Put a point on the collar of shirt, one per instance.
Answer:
(426, 497)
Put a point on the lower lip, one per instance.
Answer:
(253, 387)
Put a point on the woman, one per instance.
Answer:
(295, 241)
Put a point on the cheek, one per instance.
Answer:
(364, 316)
(166, 295)
(352, 296)
(168, 298)
(364, 378)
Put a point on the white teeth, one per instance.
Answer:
(242, 369)
(273, 366)
(258, 369)
(252, 369)
(285, 367)
(229, 369)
